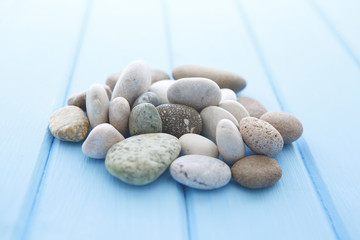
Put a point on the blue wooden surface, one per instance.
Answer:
(298, 56)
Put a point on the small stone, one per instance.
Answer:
(112, 79)
(235, 108)
(79, 99)
(288, 125)
(141, 159)
(211, 117)
(256, 171)
(158, 74)
(160, 88)
(227, 94)
(224, 79)
(194, 92)
(144, 118)
(119, 112)
(100, 139)
(179, 119)
(229, 141)
(261, 137)
(255, 108)
(69, 124)
(201, 172)
(97, 105)
(108, 91)
(196, 144)
(134, 80)
(147, 97)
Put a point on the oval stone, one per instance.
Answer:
(288, 125)
(134, 80)
(256, 171)
(261, 137)
(254, 107)
(227, 94)
(100, 139)
(229, 141)
(201, 172)
(69, 124)
(147, 97)
(194, 92)
(199, 145)
(97, 105)
(211, 116)
(79, 99)
(223, 78)
(141, 159)
(144, 118)
(160, 88)
(112, 79)
(158, 74)
(178, 120)
(235, 108)
(119, 113)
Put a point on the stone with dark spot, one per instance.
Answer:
(144, 118)
(178, 119)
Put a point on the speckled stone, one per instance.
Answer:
(196, 144)
(69, 124)
(256, 171)
(79, 99)
(261, 137)
(211, 116)
(254, 107)
(160, 88)
(144, 118)
(119, 112)
(147, 97)
(223, 78)
(179, 119)
(229, 141)
(97, 105)
(100, 139)
(198, 93)
(201, 172)
(112, 79)
(134, 80)
(158, 75)
(227, 94)
(141, 159)
(288, 125)
(235, 108)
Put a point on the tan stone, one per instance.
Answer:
(254, 107)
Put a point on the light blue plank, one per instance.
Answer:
(212, 33)
(79, 199)
(35, 63)
(319, 81)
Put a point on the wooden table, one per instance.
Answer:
(299, 56)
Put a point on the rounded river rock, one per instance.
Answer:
(254, 107)
(144, 118)
(197, 144)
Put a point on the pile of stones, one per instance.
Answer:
(142, 123)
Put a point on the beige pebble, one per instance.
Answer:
(97, 105)
(254, 107)
(227, 94)
(100, 140)
(223, 78)
(288, 125)
(79, 99)
(119, 112)
(229, 141)
(158, 74)
(69, 124)
(256, 171)
(112, 79)
(235, 108)
(211, 117)
(261, 137)
(196, 144)
(160, 88)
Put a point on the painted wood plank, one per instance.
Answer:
(213, 33)
(319, 81)
(78, 198)
(35, 64)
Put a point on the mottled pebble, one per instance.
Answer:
(158, 74)
(144, 118)
(97, 105)
(227, 94)
(79, 99)
(196, 144)
(119, 113)
(147, 97)
(160, 88)
(235, 108)
(254, 107)
(201, 172)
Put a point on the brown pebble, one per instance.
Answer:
(254, 107)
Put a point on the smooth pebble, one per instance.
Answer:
(119, 112)
(79, 99)
(97, 105)
(254, 107)
(147, 97)
(158, 74)
(112, 79)
(235, 108)
(144, 118)
(160, 88)
(227, 94)
(196, 144)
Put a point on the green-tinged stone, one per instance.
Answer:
(144, 118)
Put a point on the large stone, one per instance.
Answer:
(144, 118)
(97, 105)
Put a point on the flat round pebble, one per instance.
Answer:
(288, 125)
(201, 172)
(147, 97)
(227, 94)
(196, 144)
(100, 139)
(178, 119)
(229, 141)
(235, 108)
(144, 118)
(158, 74)
(256, 171)
(79, 99)
(194, 92)
(69, 124)
(97, 105)
(160, 88)
(211, 117)
(112, 79)
(254, 107)
(223, 78)
(119, 112)
(142, 159)
(261, 137)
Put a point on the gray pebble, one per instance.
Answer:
(144, 118)
(97, 105)
(147, 97)
(254, 107)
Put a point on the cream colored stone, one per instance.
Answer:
(112, 79)
(196, 144)
(227, 94)
(160, 88)
(97, 105)
(158, 75)
(119, 113)
(235, 108)
(79, 99)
